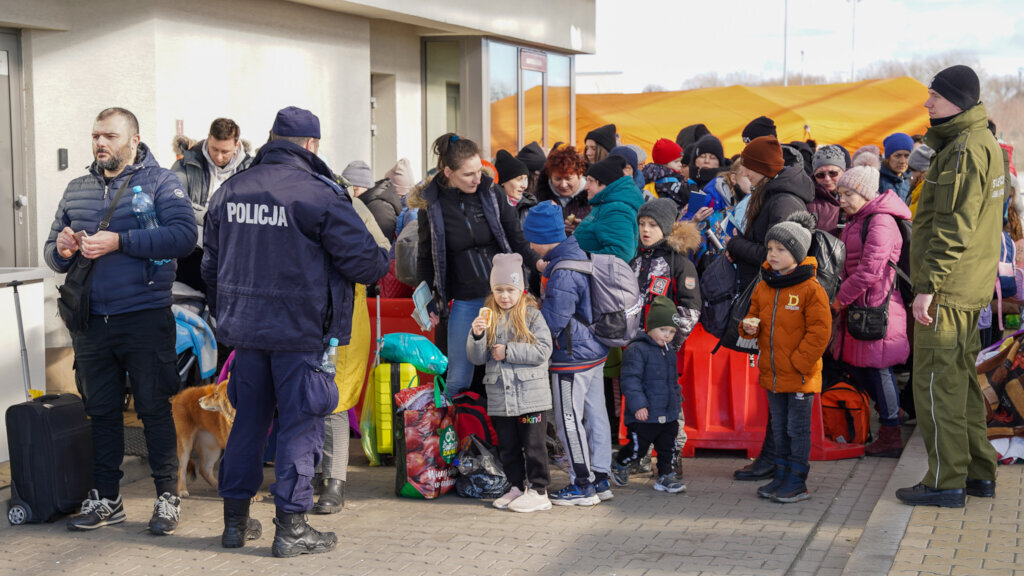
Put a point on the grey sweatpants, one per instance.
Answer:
(582, 422)
(335, 460)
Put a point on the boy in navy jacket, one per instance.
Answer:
(650, 384)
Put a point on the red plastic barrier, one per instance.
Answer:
(726, 409)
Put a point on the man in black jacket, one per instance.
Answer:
(202, 169)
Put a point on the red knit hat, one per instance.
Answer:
(665, 151)
(764, 156)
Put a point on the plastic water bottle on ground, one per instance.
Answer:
(145, 211)
(330, 357)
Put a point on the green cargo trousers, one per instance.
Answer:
(950, 407)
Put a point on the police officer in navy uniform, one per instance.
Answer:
(283, 248)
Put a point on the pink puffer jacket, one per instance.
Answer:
(867, 278)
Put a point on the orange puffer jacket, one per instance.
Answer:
(794, 329)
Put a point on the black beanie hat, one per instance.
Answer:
(608, 170)
(604, 136)
(687, 136)
(708, 144)
(533, 156)
(959, 84)
(760, 126)
(509, 167)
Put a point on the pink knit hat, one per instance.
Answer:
(861, 179)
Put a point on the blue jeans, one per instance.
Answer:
(791, 426)
(460, 320)
(880, 384)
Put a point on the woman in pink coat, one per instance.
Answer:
(867, 278)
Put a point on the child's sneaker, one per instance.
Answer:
(532, 501)
(509, 497)
(620, 474)
(575, 495)
(603, 489)
(669, 483)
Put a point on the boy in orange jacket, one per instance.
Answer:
(791, 320)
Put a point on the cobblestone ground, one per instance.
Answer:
(717, 527)
(985, 538)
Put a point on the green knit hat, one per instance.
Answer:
(661, 313)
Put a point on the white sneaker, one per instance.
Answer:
(532, 501)
(503, 502)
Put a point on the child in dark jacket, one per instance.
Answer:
(650, 384)
(664, 173)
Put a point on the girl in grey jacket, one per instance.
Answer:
(512, 338)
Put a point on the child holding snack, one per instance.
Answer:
(797, 325)
(512, 338)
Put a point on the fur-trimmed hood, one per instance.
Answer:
(415, 199)
(685, 237)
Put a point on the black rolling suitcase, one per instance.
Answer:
(50, 441)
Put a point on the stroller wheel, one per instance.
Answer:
(18, 514)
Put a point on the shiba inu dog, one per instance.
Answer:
(202, 417)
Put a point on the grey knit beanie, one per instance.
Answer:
(920, 158)
(663, 210)
(794, 234)
(830, 155)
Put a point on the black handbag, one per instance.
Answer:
(869, 322)
(738, 310)
(74, 295)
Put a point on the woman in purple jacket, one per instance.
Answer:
(867, 279)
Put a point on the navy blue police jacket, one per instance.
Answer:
(283, 248)
(125, 280)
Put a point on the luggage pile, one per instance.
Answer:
(1001, 377)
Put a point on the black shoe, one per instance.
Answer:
(332, 499)
(921, 495)
(759, 469)
(165, 514)
(97, 512)
(294, 536)
(238, 526)
(981, 488)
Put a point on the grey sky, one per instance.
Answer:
(666, 42)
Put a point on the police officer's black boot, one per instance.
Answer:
(294, 536)
(238, 526)
(332, 499)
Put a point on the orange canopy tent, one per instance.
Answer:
(853, 114)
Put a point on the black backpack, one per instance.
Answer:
(902, 267)
(830, 252)
(717, 291)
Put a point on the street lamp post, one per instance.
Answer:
(785, 41)
(853, 40)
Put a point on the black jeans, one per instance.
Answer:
(523, 450)
(140, 344)
(791, 426)
(641, 435)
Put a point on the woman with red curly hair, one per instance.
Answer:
(563, 183)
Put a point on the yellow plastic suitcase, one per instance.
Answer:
(387, 380)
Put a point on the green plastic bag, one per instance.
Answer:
(413, 349)
(368, 431)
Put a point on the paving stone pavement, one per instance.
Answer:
(985, 538)
(717, 527)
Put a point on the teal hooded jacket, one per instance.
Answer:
(611, 227)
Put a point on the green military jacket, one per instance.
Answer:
(954, 249)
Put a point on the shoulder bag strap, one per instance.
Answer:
(105, 223)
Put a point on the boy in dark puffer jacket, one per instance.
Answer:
(653, 400)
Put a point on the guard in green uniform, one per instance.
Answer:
(954, 251)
